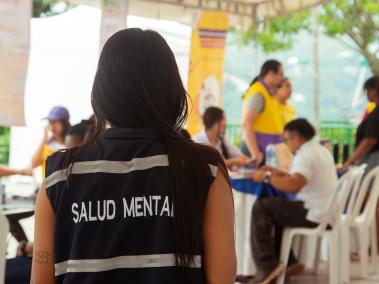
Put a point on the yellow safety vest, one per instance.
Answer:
(269, 121)
(287, 112)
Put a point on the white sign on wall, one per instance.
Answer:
(15, 18)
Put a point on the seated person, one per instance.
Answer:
(18, 269)
(214, 120)
(77, 134)
(312, 179)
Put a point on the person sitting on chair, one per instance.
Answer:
(213, 135)
(312, 178)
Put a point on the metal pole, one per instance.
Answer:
(315, 69)
(254, 68)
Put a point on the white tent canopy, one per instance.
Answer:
(242, 12)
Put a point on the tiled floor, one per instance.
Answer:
(322, 277)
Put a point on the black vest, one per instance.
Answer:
(114, 213)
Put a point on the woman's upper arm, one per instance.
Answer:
(219, 248)
(43, 256)
(249, 118)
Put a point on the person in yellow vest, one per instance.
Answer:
(283, 94)
(262, 122)
(54, 136)
(288, 113)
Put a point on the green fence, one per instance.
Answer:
(5, 133)
(337, 132)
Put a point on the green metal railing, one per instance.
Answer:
(337, 132)
(5, 133)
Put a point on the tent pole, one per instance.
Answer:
(315, 69)
(254, 68)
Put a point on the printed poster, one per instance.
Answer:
(205, 81)
(113, 18)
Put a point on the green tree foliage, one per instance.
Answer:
(45, 8)
(353, 22)
(357, 20)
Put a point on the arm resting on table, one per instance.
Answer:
(289, 183)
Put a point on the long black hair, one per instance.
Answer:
(137, 85)
(211, 116)
(268, 65)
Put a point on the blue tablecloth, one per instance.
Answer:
(261, 190)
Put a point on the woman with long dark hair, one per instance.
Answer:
(214, 120)
(138, 203)
(262, 122)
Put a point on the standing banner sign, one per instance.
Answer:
(15, 18)
(113, 18)
(205, 81)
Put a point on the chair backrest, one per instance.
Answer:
(338, 199)
(356, 185)
(4, 230)
(370, 185)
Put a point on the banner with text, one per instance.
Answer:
(15, 18)
(113, 18)
(205, 81)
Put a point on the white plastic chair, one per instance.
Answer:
(364, 221)
(335, 207)
(346, 219)
(4, 230)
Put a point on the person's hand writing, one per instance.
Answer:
(258, 176)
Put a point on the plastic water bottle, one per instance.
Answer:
(271, 160)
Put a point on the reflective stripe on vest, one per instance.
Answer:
(129, 261)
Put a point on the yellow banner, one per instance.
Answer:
(205, 80)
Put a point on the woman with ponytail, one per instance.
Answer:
(262, 121)
(137, 203)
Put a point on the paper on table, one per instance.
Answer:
(241, 173)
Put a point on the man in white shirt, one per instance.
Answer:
(214, 120)
(312, 179)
